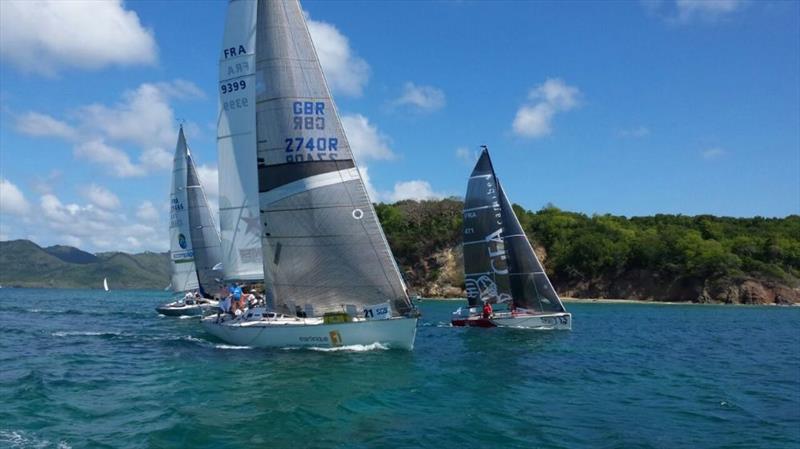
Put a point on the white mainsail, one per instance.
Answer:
(236, 145)
(184, 273)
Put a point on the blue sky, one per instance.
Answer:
(630, 108)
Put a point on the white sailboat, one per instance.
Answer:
(500, 266)
(105, 284)
(329, 274)
(194, 241)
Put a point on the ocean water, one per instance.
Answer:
(90, 369)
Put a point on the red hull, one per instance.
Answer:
(472, 322)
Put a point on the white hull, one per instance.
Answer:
(181, 309)
(396, 333)
(547, 321)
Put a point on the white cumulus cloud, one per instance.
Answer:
(366, 141)
(413, 190)
(423, 98)
(36, 124)
(713, 153)
(147, 212)
(101, 197)
(46, 36)
(115, 159)
(143, 118)
(534, 119)
(687, 11)
(12, 200)
(345, 72)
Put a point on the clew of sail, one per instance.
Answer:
(203, 230)
(236, 146)
(184, 274)
(323, 246)
(530, 286)
(485, 264)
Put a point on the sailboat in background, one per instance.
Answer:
(329, 274)
(105, 284)
(194, 241)
(500, 266)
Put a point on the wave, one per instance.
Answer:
(351, 348)
(221, 346)
(88, 334)
(187, 317)
(19, 440)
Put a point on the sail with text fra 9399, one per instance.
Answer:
(327, 265)
(236, 146)
(500, 266)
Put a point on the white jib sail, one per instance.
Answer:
(236, 145)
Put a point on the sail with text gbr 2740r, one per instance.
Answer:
(500, 266)
(329, 275)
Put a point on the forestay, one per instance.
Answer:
(323, 246)
(236, 145)
(485, 265)
(184, 275)
(530, 286)
(203, 230)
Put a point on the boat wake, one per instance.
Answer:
(87, 334)
(349, 348)
(20, 440)
(221, 346)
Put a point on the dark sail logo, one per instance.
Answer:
(182, 241)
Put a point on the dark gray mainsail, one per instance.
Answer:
(485, 265)
(530, 287)
(322, 244)
(203, 230)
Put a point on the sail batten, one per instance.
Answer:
(322, 243)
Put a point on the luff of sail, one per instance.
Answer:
(236, 146)
(530, 286)
(184, 274)
(485, 265)
(203, 230)
(323, 245)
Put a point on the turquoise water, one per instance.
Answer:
(94, 369)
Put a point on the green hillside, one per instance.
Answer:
(662, 258)
(25, 264)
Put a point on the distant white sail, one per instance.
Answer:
(184, 273)
(236, 145)
(105, 284)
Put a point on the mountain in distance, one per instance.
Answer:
(26, 264)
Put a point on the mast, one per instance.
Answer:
(485, 265)
(184, 275)
(322, 243)
(530, 286)
(236, 146)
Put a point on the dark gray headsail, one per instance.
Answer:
(530, 286)
(203, 230)
(322, 243)
(485, 265)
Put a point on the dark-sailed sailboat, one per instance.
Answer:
(194, 240)
(329, 275)
(500, 266)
